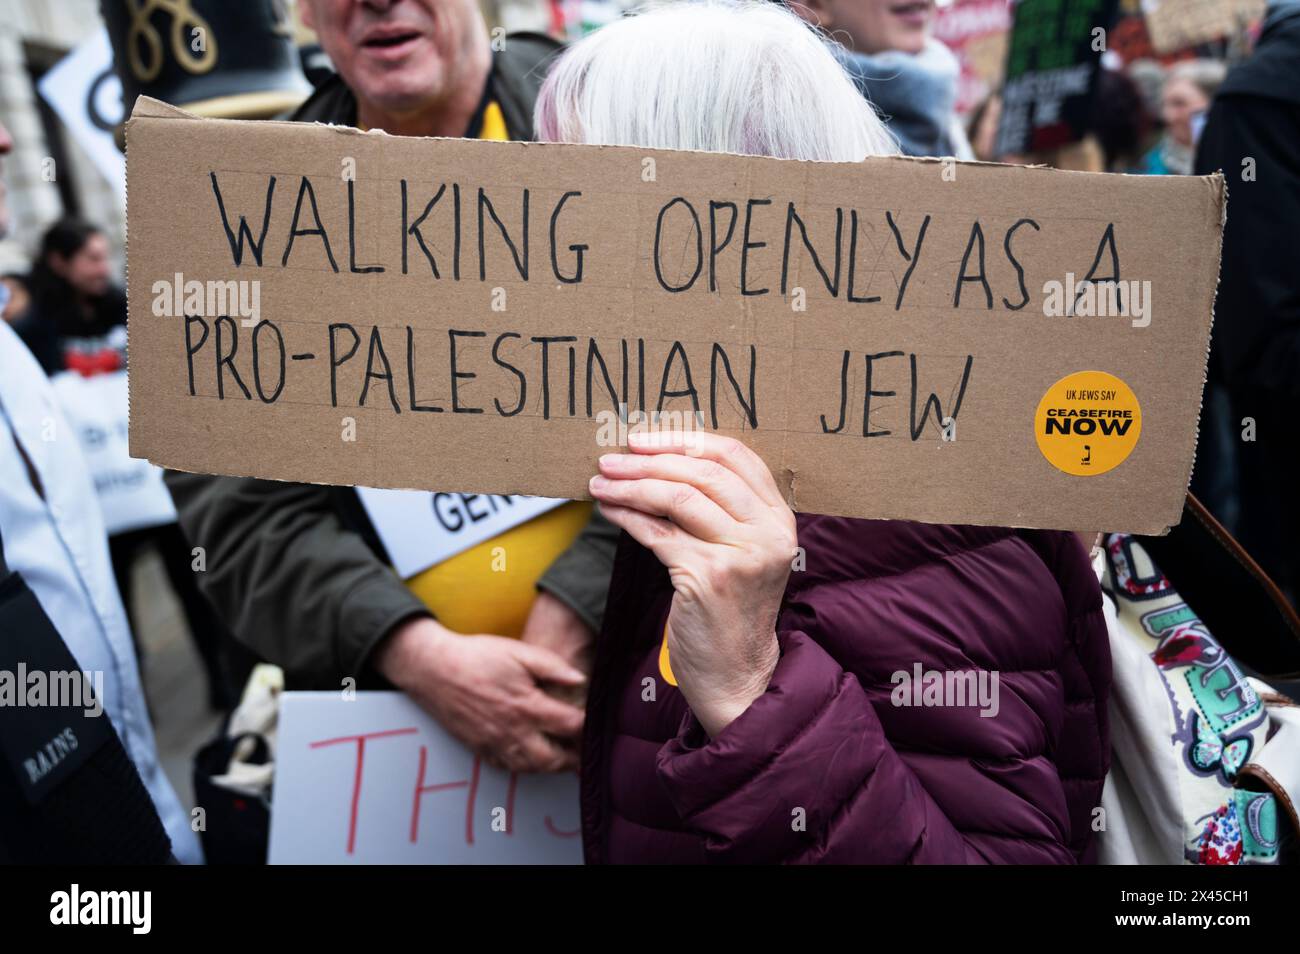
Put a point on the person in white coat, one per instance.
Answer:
(54, 538)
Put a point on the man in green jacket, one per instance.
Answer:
(298, 571)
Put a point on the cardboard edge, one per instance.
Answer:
(148, 108)
(1217, 183)
(131, 446)
(1154, 529)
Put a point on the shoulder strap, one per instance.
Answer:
(1232, 595)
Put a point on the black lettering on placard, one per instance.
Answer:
(410, 375)
(578, 250)
(414, 229)
(572, 381)
(335, 360)
(376, 354)
(853, 267)
(594, 356)
(546, 341)
(868, 393)
(257, 362)
(1020, 272)
(1107, 242)
(520, 259)
(731, 251)
(844, 392)
(305, 189)
(640, 373)
(353, 267)
(237, 245)
(750, 407)
(688, 391)
(714, 247)
(523, 381)
(699, 246)
(792, 219)
(976, 239)
(455, 231)
(915, 255)
(191, 349)
(746, 245)
(933, 400)
(228, 360)
(457, 375)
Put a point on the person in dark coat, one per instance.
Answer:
(1253, 135)
(902, 693)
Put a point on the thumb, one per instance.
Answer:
(547, 666)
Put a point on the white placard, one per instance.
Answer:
(86, 93)
(131, 492)
(420, 529)
(375, 780)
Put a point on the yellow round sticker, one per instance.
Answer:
(1088, 423)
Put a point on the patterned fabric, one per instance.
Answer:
(1216, 718)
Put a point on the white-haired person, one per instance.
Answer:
(770, 735)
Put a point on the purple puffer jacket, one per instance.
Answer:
(824, 767)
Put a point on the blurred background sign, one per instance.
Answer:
(976, 31)
(1051, 76)
(1179, 24)
(84, 90)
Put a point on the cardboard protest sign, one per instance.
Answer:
(896, 338)
(1182, 24)
(1051, 75)
(86, 93)
(374, 780)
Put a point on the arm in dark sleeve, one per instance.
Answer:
(579, 577)
(288, 579)
(813, 743)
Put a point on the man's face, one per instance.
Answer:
(401, 56)
(6, 145)
(874, 26)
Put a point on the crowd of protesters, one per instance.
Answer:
(778, 683)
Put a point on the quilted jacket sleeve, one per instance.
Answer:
(806, 774)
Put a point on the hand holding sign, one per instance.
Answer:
(487, 692)
(709, 509)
